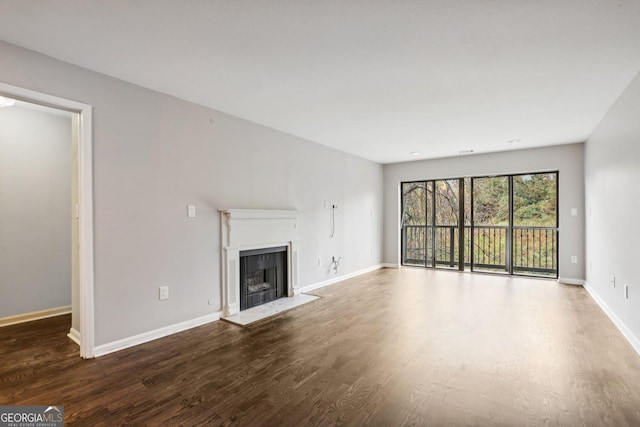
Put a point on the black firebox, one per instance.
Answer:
(263, 276)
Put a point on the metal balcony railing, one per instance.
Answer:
(534, 250)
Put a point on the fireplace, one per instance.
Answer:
(251, 232)
(263, 276)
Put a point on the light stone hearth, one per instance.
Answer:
(270, 309)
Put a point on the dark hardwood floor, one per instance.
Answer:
(393, 347)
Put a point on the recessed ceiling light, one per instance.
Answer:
(414, 153)
(513, 141)
(465, 151)
(6, 102)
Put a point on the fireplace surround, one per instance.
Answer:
(243, 230)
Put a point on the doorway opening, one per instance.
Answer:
(81, 218)
(37, 231)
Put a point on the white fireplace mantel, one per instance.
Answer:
(246, 229)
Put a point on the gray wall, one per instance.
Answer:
(155, 154)
(612, 176)
(567, 159)
(35, 211)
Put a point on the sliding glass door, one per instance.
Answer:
(417, 245)
(535, 224)
(501, 224)
(490, 224)
(431, 224)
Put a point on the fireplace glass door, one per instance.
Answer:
(263, 276)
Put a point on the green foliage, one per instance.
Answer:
(491, 201)
(534, 200)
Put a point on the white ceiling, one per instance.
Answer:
(377, 78)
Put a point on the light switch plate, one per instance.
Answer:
(191, 211)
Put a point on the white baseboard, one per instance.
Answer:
(310, 288)
(144, 337)
(568, 281)
(74, 334)
(118, 345)
(36, 315)
(390, 265)
(626, 332)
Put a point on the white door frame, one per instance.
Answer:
(85, 193)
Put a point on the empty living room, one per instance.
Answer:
(291, 213)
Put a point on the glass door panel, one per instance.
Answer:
(415, 239)
(535, 224)
(447, 209)
(467, 223)
(490, 224)
(430, 228)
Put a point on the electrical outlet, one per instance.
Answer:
(574, 259)
(164, 292)
(319, 261)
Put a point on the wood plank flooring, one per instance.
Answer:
(393, 347)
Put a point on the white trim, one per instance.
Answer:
(74, 334)
(568, 281)
(390, 265)
(144, 337)
(85, 192)
(85, 195)
(626, 332)
(34, 315)
(310, 288)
